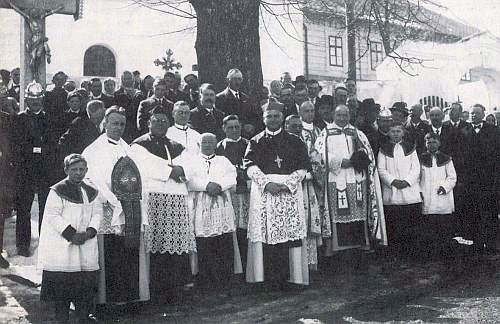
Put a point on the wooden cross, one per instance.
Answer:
(278, 161)
(34, 48)
(168, 63)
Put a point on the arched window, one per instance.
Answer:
(99, 61)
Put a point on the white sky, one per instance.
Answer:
(483, 14)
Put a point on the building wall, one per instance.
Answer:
(318, 53)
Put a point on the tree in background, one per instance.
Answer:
(228, 30)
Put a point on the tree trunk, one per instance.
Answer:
(228, 37)
(351, 40)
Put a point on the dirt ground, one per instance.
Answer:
(351, 288)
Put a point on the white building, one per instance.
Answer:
(116, 35)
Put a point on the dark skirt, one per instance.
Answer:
(168, 272)
(68, 286)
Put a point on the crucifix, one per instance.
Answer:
(35, 51)
(168, 63)
(278, 161)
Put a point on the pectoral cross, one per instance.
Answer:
(278, 161)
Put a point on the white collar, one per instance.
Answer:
(207, 157)
(308, 126)
(334, 125)
(268, 132)
(232, 140)
(112, 140)
(437, 128)
(234, 92)
(180, 127)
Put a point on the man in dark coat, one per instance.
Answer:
(129, 98)
(34, 154)
(481, 150)
(160, 89)
(83, 130)
(56, 100)
(232, 101)
(206, 118)
(417, 128)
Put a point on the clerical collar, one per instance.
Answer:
(36, 113)
(180, 127)
(207, 157)
(232, 140)
(112, 141)
(307, 126)
(334, 125)
(268, 132)
(75, 112)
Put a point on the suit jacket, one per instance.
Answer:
(461, 124)
(204, 122)
(144, 112)
(56, 102)
(130, 104)
(416, 134)
(80, 134)
(481, 158)
(449, 140)
(108, 101)
(376, 140)
(243, 108)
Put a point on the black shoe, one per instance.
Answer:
(4, 264)
(23, 251)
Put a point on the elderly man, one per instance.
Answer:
(121, 173)
(169, 238)
(353, 206)
(34, 152)
(277, 163)
(211, 178)
(232, 101)
(84, 130)
(206, 118)
(180, 131)
(157, 99)
(129, 99)
(417, 128)
(481, 156)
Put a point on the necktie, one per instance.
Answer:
(437, 131)
(237, 95)
(455, 124)
(477, 128)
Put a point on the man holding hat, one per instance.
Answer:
(276, 163)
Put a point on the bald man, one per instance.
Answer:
(352, 196)
(210, 179)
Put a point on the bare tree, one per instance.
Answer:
(228, 30)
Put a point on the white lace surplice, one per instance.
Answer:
(280, 218)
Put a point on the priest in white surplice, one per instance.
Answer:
(277, 163)
(170, 235)
(353, 207)
(210, 179)
(124, 275)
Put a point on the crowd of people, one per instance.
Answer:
(153, 188)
